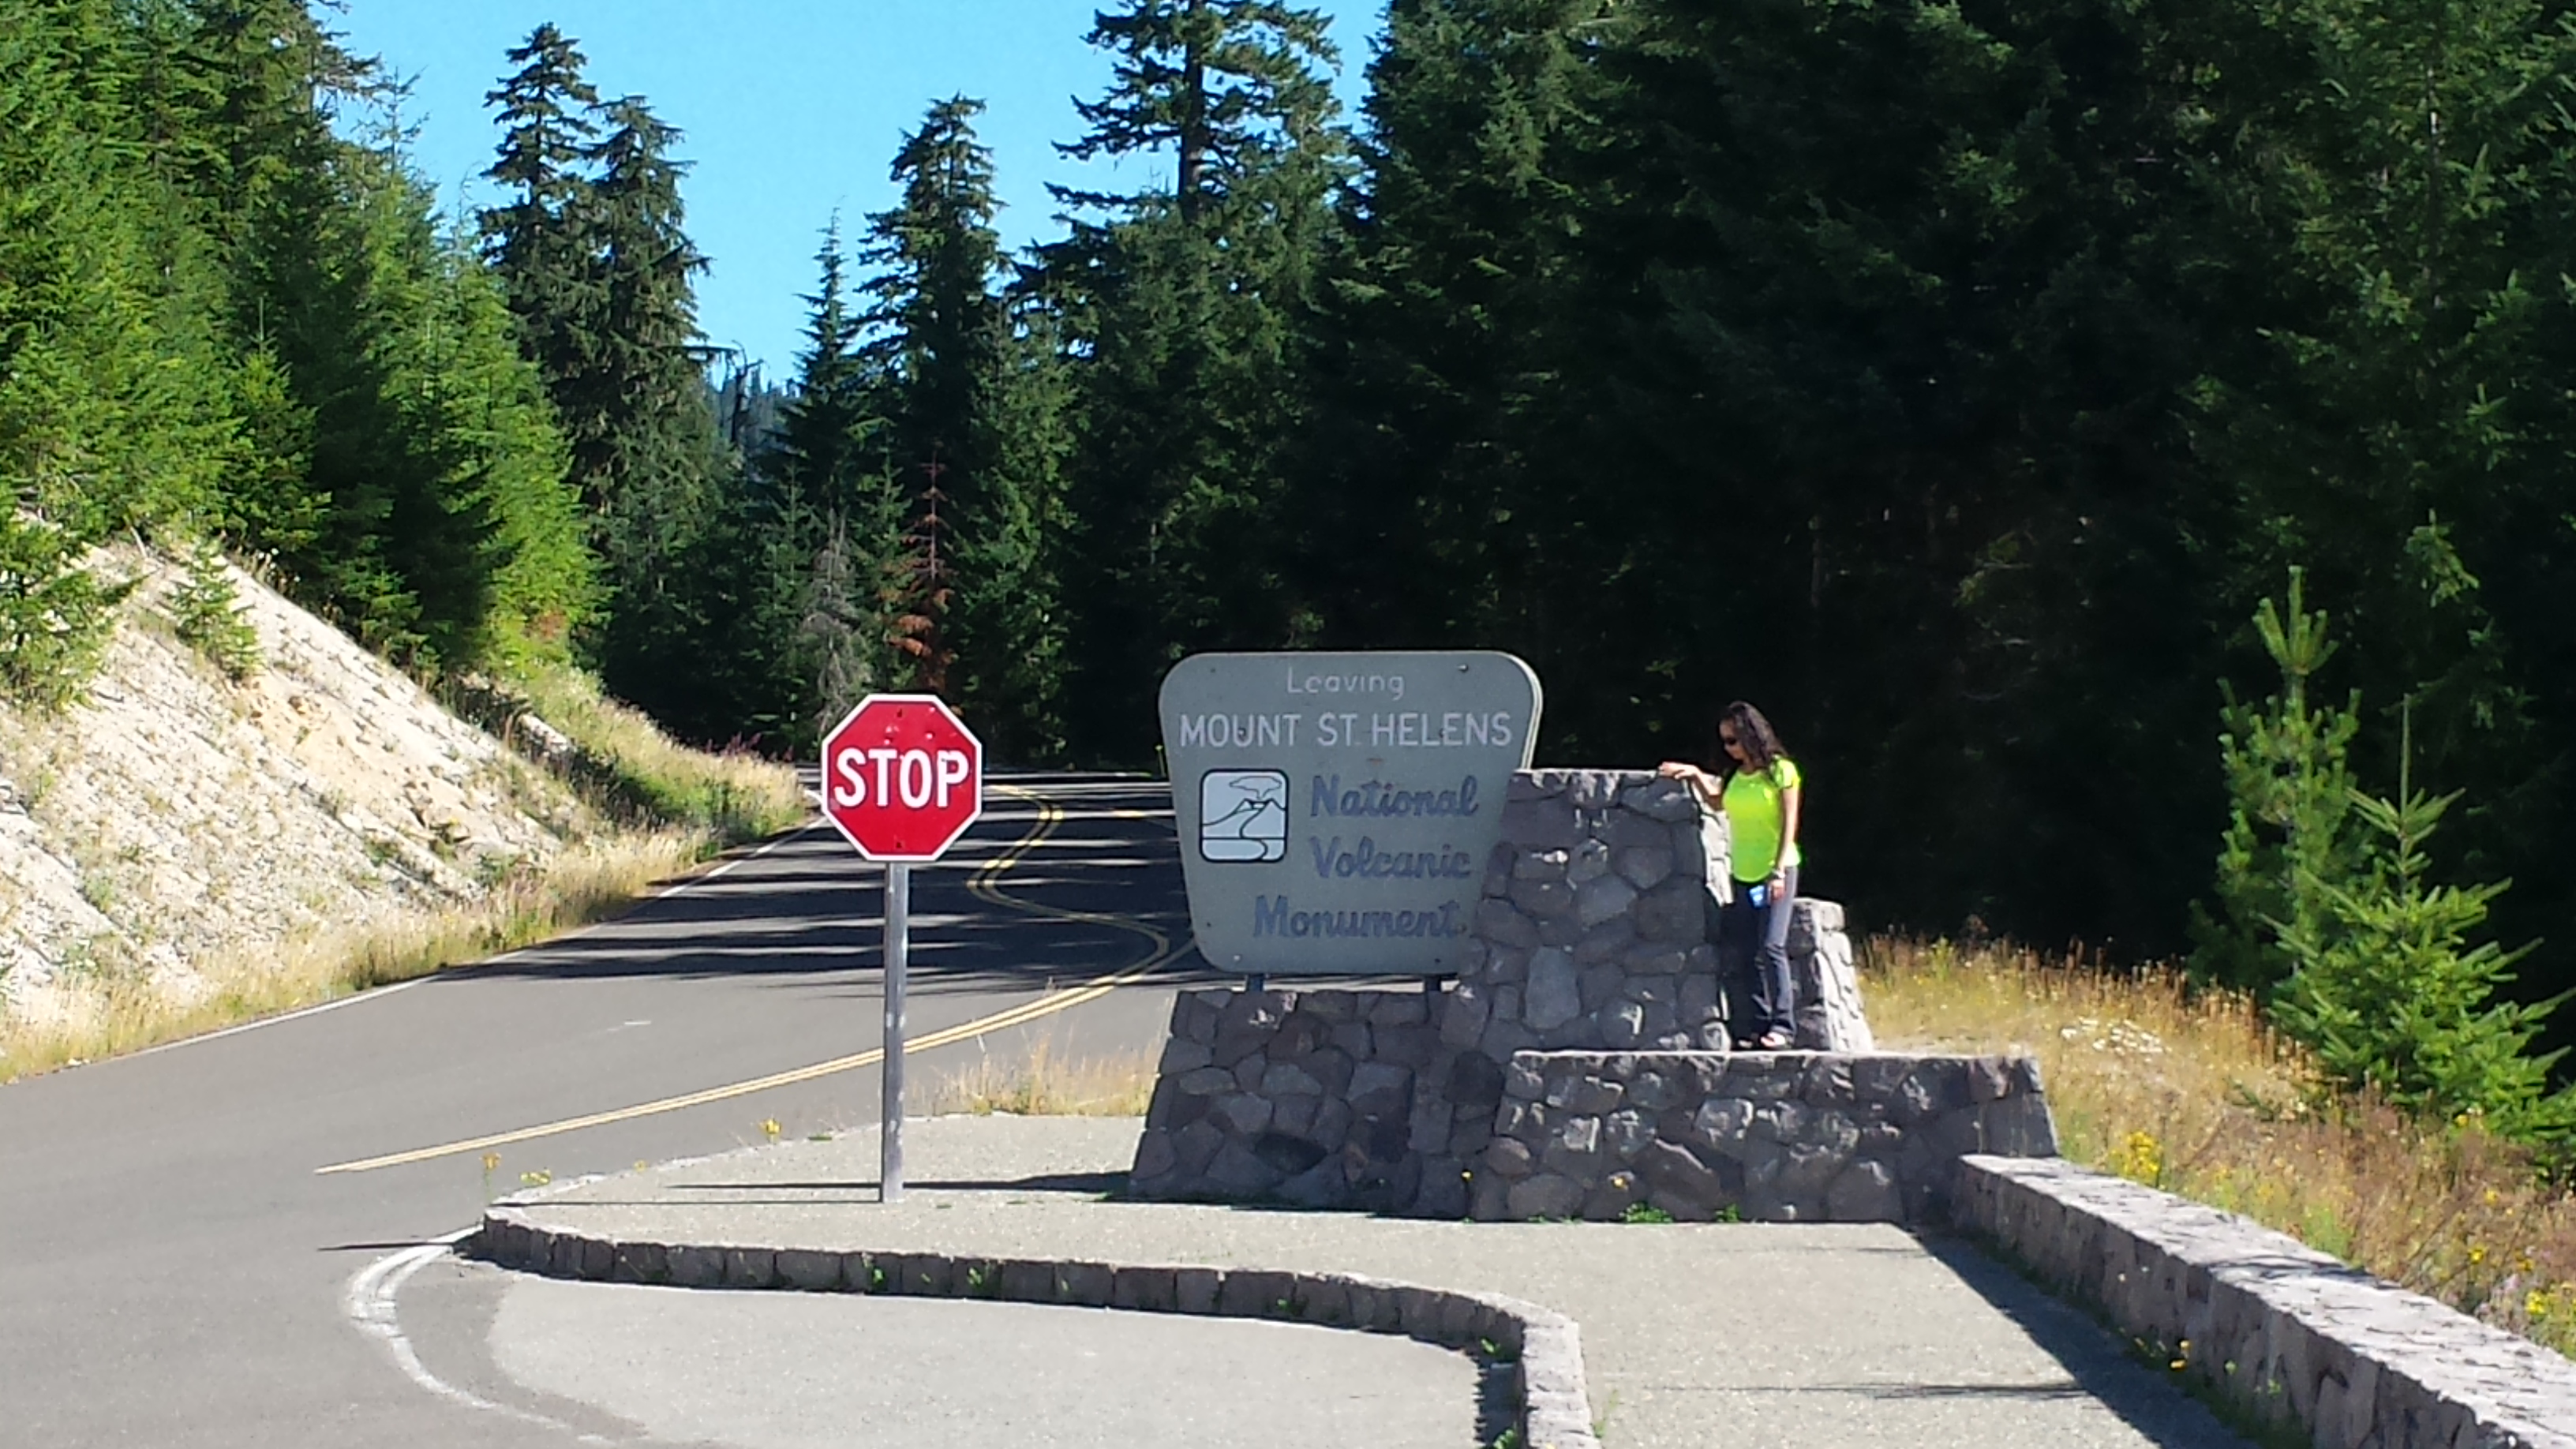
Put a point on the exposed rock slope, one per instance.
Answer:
(177, 816)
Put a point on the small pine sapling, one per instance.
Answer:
(2391, 991)
(208, 614)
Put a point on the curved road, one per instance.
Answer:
(179, 1229)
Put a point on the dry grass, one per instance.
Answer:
(2191, 1092)
(90, 1018)
(735, 795)
(1046, 1085)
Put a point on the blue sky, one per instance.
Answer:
(791, 109)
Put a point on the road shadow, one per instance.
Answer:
(1086, 1184)
(2098, 1363)
(810, 907)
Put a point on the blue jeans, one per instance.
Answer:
(1753, 950)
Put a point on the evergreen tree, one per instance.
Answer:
(967, 431)
(801, 610)
(593, 252)
(2393, 994)
(939, 325)
(1456, 276)
(206, 613)
(839, 632)
(105, 424)
(2401, 184)
(645, 440)
(1008, 619)
(815, 460)
(470, 538)
(2290, 788)
(221, 313)
(1183, 307)
(1225, 86)
(535, 238)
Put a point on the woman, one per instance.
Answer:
(1760, 796)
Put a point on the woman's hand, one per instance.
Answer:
(1678, 770)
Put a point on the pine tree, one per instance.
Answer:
(804, 546)
(534, 238)
(595, 257)
(1008, 620)
(645, 441)
(1456, 280)
(965, 429)
(838, 633)
(934, 364)
(815, 458)
(2393, 994)
(269, 339)
(2290, 787)
(1184, 307)
(109, 417)
(495, 435)
(939, 324)
(1227, 87)
(206, 612)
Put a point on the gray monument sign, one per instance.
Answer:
(1336, 810)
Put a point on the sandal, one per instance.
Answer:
(1774, 1041)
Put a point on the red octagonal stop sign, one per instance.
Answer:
(902, 777)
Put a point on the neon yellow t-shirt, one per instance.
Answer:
(1755, 816)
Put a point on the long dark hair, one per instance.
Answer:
(1761, 743)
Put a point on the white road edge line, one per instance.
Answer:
(723, 870)
(374, 993)
(371, 1304)
(369, 994)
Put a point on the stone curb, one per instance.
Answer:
(2273, 1326)
(1547, 1348)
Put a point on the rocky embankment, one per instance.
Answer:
(177, 818)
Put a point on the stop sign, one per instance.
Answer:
(902, 777)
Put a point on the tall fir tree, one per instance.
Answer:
(824, 431)
(535, 237)
(1184, 307)
(646, 443)
(103, 424)
(593, 252)
(958, 388)
(809, 537)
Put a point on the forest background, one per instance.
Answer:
(1957, 380)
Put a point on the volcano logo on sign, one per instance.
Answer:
(1243, 816)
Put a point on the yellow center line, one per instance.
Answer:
(984, 884)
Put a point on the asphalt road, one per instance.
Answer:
(179, 1229)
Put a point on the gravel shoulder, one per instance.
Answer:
(1753, 1335)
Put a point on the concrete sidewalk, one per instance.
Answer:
(1747, 1336)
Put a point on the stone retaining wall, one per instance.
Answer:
(1371, 1100)
(1593, 934)
(1592, 931)
(2280, 1330)
(1544, 1347)
(1350, 1099)
(1777, 1137)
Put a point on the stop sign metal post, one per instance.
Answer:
(902, 779)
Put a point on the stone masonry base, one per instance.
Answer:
(1369, 1100)
(1768, 1136)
